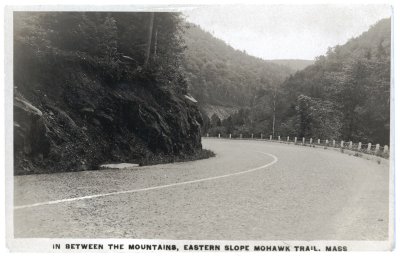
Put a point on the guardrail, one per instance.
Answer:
(367, 148)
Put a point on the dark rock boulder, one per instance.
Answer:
(30, 129)
(30, 132)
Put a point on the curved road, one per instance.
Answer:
(252, 190)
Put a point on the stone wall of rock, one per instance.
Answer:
(66, 124)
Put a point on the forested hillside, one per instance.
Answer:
(343, 95)
(93, 88)
(222, 76)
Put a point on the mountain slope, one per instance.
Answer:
(353, 80)
(222, 76)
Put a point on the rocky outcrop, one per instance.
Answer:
(89, 123)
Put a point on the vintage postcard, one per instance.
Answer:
(199, 128)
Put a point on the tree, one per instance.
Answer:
(149, 37)
(215, 120)
(318, 118)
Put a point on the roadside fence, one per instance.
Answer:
(367, 148)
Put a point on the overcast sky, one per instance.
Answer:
(286, 31)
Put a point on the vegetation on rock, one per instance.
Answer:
(97, 87)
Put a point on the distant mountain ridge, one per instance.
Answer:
(295, 64)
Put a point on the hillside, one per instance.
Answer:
(345, 95)
(94, 88)
(352, 80)
(221, 76)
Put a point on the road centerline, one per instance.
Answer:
(275, 159)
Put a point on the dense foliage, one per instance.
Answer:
(344, 95)
(117, 45)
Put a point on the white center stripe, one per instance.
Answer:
(151, 188)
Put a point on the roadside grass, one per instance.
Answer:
(200, 154)
(382, 154)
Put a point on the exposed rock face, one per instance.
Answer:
(84, 123)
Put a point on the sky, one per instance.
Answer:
(286, 31)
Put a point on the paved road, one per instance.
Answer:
(252, 190)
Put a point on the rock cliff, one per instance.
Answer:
(73, 111)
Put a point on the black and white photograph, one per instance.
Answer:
(200, 128)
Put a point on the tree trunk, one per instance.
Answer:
(148, 43)
(155, 44)
(273, 117)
